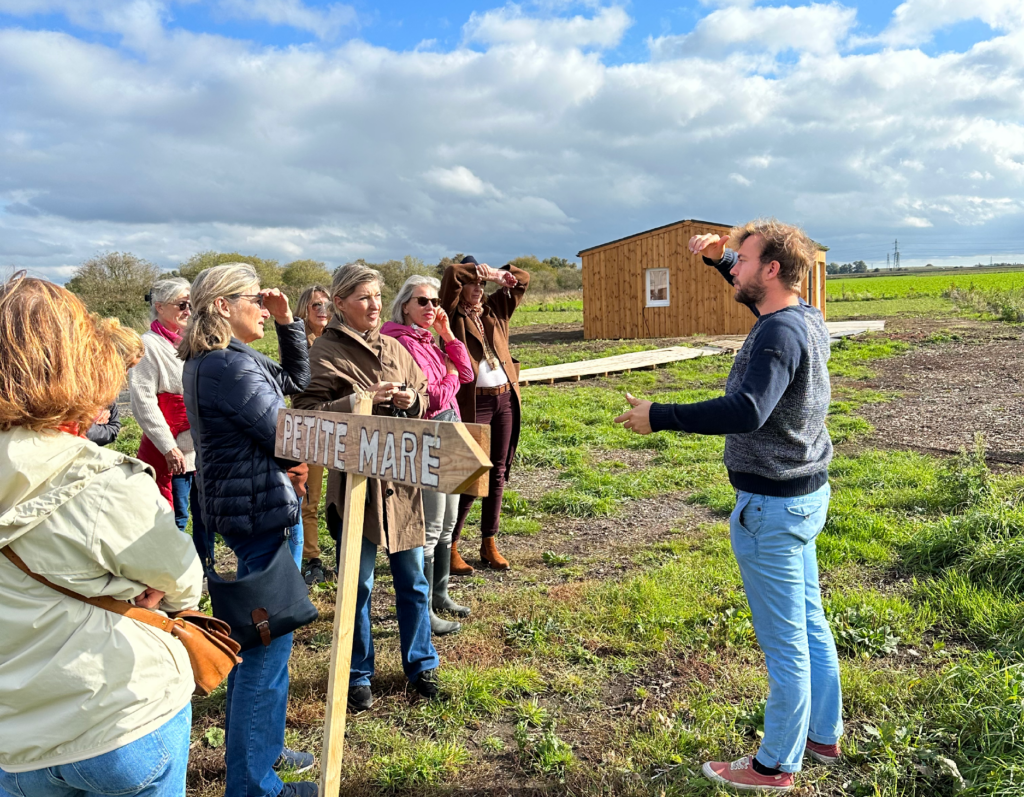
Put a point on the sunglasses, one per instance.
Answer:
(423, 301)
(255, 298)
(319, 305)
(183, 306)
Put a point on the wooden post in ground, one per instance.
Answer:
(429, 455)
(349, 549)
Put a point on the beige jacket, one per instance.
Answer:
(77, 681)
(339, 361)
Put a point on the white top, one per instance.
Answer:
(159, 371)
(488, 377)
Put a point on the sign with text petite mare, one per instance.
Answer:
(431, 455)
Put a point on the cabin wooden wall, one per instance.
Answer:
(701, 302)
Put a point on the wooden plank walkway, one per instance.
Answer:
(574, 372)
(836, 330)
(550, 374)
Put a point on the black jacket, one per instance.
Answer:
(232, 397)
(103, 434)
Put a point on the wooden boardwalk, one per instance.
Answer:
(550, 374)
(641, 360)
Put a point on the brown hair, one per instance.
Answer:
(785, 243)
(302, 307)
(59, 363)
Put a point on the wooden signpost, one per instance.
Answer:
(441, 457)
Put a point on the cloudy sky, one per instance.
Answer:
(301, 129)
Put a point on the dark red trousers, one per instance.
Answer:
(496, 411)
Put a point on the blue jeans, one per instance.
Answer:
(257, 697)
(295, 539)
(418, 653)
(181, 490)
(774, 543)
(153, 766)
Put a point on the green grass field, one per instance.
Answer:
(912, 285)
(986, 295)
(617, 666)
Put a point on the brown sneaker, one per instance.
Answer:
(823, 753)
(459, 565)
(741, 776)
(489, 553)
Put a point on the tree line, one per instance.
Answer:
(116, 283)
(856, 267)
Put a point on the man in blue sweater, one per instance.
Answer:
(777, 451)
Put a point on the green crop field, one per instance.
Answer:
(914, 285)
(986, 295)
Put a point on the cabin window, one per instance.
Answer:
(657, 287)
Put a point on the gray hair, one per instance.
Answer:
(166, 291)
(405, 294)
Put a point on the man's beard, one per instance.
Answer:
(751, 294)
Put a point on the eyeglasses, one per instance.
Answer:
(319, 305)
(255, 298)
(423, 301)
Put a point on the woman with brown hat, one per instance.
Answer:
(481, 323)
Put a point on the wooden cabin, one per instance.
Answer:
(649, 285)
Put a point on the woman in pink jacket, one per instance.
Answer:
(415, 311)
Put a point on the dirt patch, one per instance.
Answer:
(962, 377)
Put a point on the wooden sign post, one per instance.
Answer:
(441, 457)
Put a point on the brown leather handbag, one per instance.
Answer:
(211, 650)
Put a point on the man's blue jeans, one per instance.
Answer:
(153, 766)
(418, 653)
(257, 696)
(774, 543)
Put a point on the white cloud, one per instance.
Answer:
(511, 25)
(816, 28)
(324, 23)
(915, 21)
(190, 142)
(460, 180)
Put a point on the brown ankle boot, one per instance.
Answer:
(489, 553)
(459, 566)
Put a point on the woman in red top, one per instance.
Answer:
(157, 403)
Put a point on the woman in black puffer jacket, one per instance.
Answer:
(232, 397)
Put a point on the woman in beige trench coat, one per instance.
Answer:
(352, 353)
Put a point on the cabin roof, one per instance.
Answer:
(653, 229)
(582, 252)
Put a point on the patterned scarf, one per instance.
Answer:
(473, 313)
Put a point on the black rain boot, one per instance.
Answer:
(438, 627)
(440, 600)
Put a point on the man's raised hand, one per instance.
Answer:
(637, 419)
(709, 245)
